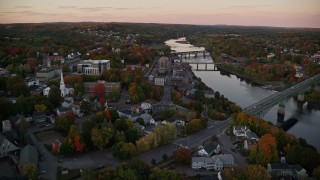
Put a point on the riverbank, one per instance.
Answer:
(273, 85)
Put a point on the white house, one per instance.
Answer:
(209, 150)
(217, 162)
(202, 163)
(61, 111)
(32, 81)
(68, 101)
(6, 125)
(240, 130)
(46, 91)
(277, 170)
(159, 81)
(6, 146)
(222, 160)
(151, 77)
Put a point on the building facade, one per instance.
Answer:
(92, 67)
(110, 86)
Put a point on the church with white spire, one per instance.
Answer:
(64, 90)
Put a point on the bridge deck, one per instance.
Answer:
(275, 98)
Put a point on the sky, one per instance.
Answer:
(279, 13)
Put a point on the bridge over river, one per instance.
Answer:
(263, 106)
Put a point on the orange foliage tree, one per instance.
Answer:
(265, 152)
(183, 155)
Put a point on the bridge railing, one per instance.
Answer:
(275, 98)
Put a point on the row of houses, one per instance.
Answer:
(20, 156)
(209, 158)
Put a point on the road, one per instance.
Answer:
(192, 141)
(49, 163)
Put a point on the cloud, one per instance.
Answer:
(68, 7)
(23, 7)
(250, 6)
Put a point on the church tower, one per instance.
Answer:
(62, 86)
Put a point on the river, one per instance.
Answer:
(245, 94)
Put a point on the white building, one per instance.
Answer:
(32, 81)
(95, 67)
(46, 91)
(240, 130)
(202, 163)
(217, 162)
(159, 81)
(6, 126)
(65, 89)
(222, 161)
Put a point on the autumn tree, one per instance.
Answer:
(101, 137)
(40, 107)
(248, 172)
(30, 171)
(265, 152)
(124, 150)
(99, 90)
(183, 155)
(64, 122)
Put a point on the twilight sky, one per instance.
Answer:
(283, 13)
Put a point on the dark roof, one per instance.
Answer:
(28, 154)
(280, 166)
(10, 135)
(69, 86)
(210, 148)
(297, 167)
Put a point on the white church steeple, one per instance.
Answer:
(62, 86)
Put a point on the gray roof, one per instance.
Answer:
(202, 159)
(252, 135)
(280, 166)
(224, 158)
(239, 128)
(28, 154)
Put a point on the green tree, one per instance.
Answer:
(124, 150)
(316, 172)
(12, 81)
(54, 95)
(85, 107)
(161, 174)
(100, 137)
(88, 174)
(30, 171)
(22, 129)
(86, 133)
(64, 122)
(133, 133)
(168, 113)
(248, 172)
(20, 89)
